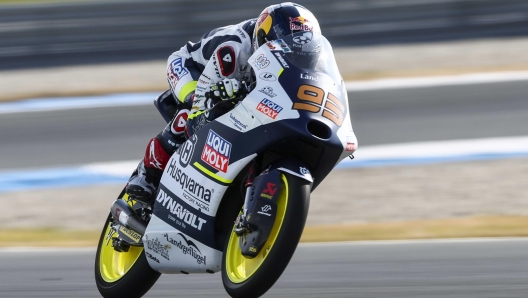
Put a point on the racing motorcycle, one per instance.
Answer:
(234, 197)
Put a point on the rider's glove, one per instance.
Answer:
(224, 90)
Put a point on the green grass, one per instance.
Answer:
(482, 226)
(48, 237)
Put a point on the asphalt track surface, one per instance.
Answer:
(467, 268)
(78, 136)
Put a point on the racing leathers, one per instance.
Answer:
(200, 75)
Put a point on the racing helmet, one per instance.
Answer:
(296, 26)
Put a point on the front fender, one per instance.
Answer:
(260, 204)
(293, 167)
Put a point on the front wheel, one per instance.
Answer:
(121, 274)
(244, 277)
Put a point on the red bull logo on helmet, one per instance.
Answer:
(299, 20)
(216, 152)
(269, 108)
(300, 24)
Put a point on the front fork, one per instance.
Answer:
(254, 224)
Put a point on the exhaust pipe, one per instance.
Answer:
(126, 216)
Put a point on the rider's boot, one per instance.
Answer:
(145, 180)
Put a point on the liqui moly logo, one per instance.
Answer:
(269, 108)
(216, 151)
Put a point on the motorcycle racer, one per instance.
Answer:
(216, 69)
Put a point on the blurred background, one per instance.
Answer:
(45, 34)
(438, 93)
(445, 73)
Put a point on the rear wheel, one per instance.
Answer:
(244, 277)
(121, 274)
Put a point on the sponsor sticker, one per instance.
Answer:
(155, 246)
(187, 247)
(241, 33)
(136, 237)
(264, 210)
(269, 108)
(269, 192)
(306, 76)
(201, 88)
(216, 152)
(237, 123)
(351, 145)
(217, 70)
(121, 216)
(266, 76)
(281, 60)
(186, 151)
(304, 171)
(261, 62)
(153, 258)
(300, 24)
(305, 38)
(182, 216)
(176, 71)
(268, 91)
(271, 46)
(194, 192)
(283, 46)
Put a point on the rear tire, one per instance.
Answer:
(122, 274)
(259, 274)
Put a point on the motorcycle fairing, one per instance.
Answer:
(184, 217)
(285, 82)
(186, 204)
(293, 167)
(173, 251)
(247, 112)
(249, 130)
(329, 106)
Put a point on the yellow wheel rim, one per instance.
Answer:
(240, 268)
(114, 265)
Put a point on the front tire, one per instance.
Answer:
(122, 274)
(244, 277)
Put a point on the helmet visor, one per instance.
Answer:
(305, 48)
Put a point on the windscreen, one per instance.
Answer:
(312, 51)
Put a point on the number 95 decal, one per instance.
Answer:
(312, 98)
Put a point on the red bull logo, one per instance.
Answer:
(299, 20)
(300, 24)
(216, 152)
(269, 108)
